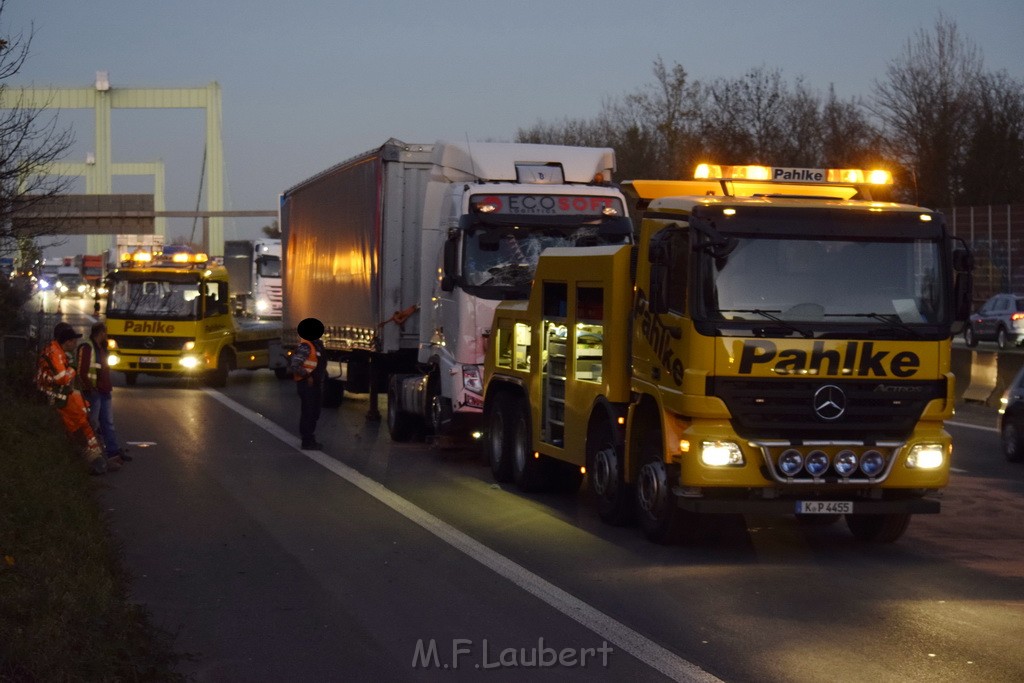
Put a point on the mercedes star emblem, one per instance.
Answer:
(829, 402)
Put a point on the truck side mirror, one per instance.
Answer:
(963, 283)
(450, 265)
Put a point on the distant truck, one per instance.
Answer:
(404, 251)
(91, 269)
(168, 315)
(254, 276)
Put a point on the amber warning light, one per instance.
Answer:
(843, 176)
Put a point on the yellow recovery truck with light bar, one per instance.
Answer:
(169, 314)
(777, 341)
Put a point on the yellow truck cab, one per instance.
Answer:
(776, 342)
(168, 314)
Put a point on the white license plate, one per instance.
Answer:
(149, 359)
(824, 507)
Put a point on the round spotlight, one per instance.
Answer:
(791, 462)
(872, 464)
(817, 463)
(846, 463)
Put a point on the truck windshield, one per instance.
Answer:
(268, 266)
(505, 259)
(895, 283)
(154, 299)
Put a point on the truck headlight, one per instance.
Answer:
(188, 346)
(262, 305)
(189, 362)
(471, 380)
(113, 359)
(926, 456)
(721, 454)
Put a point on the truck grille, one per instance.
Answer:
(824, 409)
(148, 343)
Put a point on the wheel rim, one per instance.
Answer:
(605, 472)
(651, 486)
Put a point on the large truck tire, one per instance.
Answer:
(606, 477)
(529, 472)
(401, 425)
(878, 528)
(218, 377)
(498, 442)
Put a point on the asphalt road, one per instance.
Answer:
(396, 562)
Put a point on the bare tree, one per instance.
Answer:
(994, 160)
(29, 143)
(924, 106)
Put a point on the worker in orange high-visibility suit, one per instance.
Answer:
(56, 378)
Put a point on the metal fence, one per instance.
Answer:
(996, 236)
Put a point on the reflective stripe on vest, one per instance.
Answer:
(308, 365)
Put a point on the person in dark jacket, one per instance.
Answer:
(94, 377)
(308, 366)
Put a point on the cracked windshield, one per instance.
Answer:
(508, 258)
(834, 280)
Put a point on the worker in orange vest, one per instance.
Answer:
(308, 365)
(55, 377)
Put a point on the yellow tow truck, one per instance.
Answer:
(168, 314)
(777, 341)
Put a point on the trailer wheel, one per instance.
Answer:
(607, 480)
(401, 425)
(527, 470)
(878, 528)
(334, 392)
(498, 444)
(131, 378)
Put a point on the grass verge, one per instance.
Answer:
(64, 608)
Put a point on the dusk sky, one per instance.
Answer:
(309, 83)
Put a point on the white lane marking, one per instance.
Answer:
(647, 651)
(970, 426)
(957, 470)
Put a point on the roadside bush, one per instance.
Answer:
(64, 608)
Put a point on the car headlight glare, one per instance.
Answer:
(926, 456)
(846, 463)
(720, 454)
(791, 462)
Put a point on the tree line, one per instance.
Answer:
(951, 132)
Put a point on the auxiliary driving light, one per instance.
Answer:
(872, 464)
(817, 463)
(791, 462)
(846, 463)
